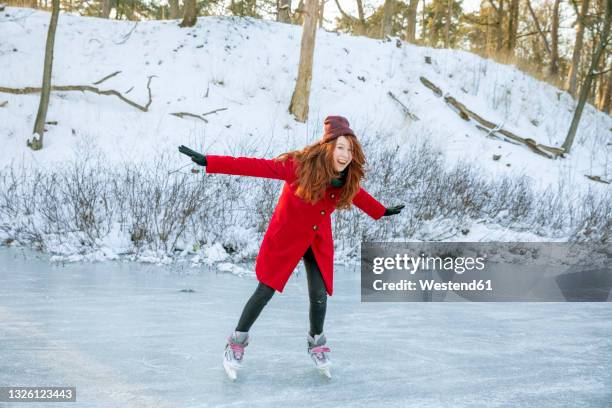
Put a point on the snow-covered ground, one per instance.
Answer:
(249, 67)
(125, 335)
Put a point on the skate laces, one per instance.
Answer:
(238, 350)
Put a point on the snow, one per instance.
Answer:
(249, 67)
(125, 334)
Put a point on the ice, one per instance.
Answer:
(126, 335)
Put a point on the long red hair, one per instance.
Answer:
(315, 170)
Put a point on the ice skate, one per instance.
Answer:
(234, 352)
(318, 351)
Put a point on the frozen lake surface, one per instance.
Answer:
(126, 336)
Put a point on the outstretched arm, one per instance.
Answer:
(248, 166)
(368, 204)
(241, 166)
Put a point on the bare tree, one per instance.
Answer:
(107, 6)
(362, 21)
(606, 102)
(412, 18)
(513, 19)
(553, 69)
(576, 55)
(449, 16)
(499, 23)
(36, 143)
(321, 12)
(604, 39)
(190, 17)
(359, 24)
(433, 29)
(174, 9)
(538, 27)
(388, 11)
(301, 94)
(283, 12)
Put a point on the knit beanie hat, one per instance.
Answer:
(334, 127)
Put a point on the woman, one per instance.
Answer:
(318, 179)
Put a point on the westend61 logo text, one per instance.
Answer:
(485, 272)
(408, 263)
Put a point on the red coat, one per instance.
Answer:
(295, 224)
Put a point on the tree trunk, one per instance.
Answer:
(449, 16)
(412, 18)
(361, 27)
(433, 31)
(607, 98)
(130, 10)
(106, 9)
(586, 86)
(513, 20)
(388, 11)
(321, 12)
(301, 94)
(553, 69)
(39, 126)
(283, 13)
(174, 9)
(573, 72)
(190, 17)
(500, 27)
(538, 27)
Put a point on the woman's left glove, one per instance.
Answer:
(393, 210)
(195, 156)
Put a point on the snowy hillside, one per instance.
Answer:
(248, 67)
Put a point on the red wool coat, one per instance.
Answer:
(295, 224)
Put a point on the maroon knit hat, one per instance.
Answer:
(334, 127)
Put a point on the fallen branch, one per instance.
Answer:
(214, 111)
(83, 88)
(404, 108)
(493, 133)
(431, 86)
(127, 36)
(549, 152)
(106, 77)
(597, 178)
(461, 109)
(191, 115)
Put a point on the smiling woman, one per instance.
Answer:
(319, 179)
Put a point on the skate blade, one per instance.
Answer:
(325, 372)
(231, 372)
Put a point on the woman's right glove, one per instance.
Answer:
(393, 210)
(195, 156)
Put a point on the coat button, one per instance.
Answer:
(314, 227)
(333, 196)
(322, 212)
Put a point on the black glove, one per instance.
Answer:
(393, 210)
(195, 156)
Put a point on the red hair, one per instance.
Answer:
(315, 170)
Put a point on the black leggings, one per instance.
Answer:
(316, 292)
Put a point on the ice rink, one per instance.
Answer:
(127, 335)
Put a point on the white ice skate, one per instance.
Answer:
(318, 351)
(234, 352)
